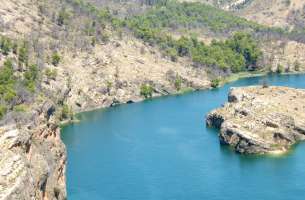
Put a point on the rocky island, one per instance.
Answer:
(261, 119)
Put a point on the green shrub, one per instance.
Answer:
(5, 45)
(10, 94)
(146, 91)
(55, 59)
(6, 73)
(51, 73)
(215, 83)
(20, 108)
(7, 82)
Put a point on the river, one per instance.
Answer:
(161, 149)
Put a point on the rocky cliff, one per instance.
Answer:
(32, 157)
(261, 119)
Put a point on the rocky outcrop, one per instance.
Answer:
(32, 158)
(261, 119)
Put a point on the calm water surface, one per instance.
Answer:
(161, 149)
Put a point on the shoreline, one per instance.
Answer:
(224, 81)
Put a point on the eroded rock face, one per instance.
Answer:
(261, 119)
(32, 160)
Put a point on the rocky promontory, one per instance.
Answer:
(261, 119)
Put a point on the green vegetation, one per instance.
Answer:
(146, 91)
(174, 15)
(215, 83)
(55, 59)
(7, 84)
(101, 15)
(51, 73)
(20, 108)
(17, 76)
(5, 45)
(236, 54)
(7, 81)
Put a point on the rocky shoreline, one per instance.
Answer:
(33, 157)
(33, 152)
(259, 120)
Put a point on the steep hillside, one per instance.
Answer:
(281, 13)
(65, 60)
(277, 13)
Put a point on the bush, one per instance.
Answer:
(10, 94)
(6, 73)
(55, 59)
(20, 108)
(5, 45)
(146, 91)
(215, 83)
(7, 83)
(51, 73)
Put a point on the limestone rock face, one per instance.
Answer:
(261, 119)
(32, 160)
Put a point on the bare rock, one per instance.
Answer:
(261, 120)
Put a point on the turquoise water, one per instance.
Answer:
(161, 149)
